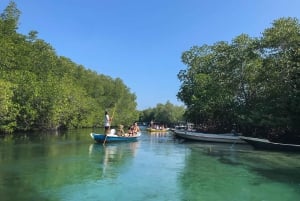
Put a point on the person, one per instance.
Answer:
(136, 128)
(151, 124)
(107, 121)
(121, 130)
(130, 130)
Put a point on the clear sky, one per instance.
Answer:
(141, 41)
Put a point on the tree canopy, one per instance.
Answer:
(251, 82)
(41, 90)
(167, 114)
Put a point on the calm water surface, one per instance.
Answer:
(71, 166)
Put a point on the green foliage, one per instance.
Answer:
(40, 90)
(9, 19)
(167, 114)
(8, 110)
(251, 81)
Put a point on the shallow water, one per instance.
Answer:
(71, 166)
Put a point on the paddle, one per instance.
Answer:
(109, 124)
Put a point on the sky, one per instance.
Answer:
(141, 41)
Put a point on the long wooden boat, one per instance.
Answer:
(114, 137)
(268, 145)
(205, 137)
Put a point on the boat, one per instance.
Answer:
(187, 127)
(268, 145)
(157, 129)
(180, 127)
(209, 137)
(112, 137)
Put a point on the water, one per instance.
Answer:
(71, 166)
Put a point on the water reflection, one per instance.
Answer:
(113, 157)
(156, 167)
(160, 137)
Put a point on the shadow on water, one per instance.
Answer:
(218, 171)
(282, 175)
(25, 191)
(274, 166)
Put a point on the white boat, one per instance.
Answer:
(209, 137)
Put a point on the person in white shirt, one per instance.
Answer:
(107, 121)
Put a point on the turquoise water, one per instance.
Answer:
(71, 166)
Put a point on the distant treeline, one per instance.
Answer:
(41, 90)
(166, 114)
(250, 82)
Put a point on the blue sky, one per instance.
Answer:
(141, 41)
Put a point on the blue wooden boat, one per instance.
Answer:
(112, 137)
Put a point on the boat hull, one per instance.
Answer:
(268, 145)
(113, 138)
(222, 138)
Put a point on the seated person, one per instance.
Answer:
(121, 130)
(136, 128)
(133, 129)
(130, 130)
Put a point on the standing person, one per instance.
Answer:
(107, 121)
(151, 124)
